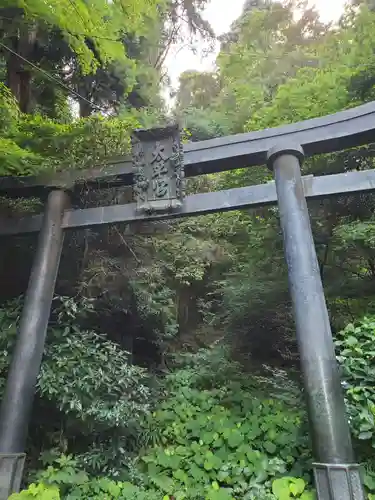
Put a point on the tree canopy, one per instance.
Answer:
(101, 23)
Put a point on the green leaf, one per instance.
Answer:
(221, 494)
(308, 495)
(351, 341)
(280, 488)
(208, 465)
(369, 481)
(196, 473)
(270, 447)
(165, 483)
(215, 485)
(180, 475)
(235, 438)
(365, 435)
(297, 486)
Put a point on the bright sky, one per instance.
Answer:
(221, 14)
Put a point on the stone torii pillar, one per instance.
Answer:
(336, 474)
(17, 401)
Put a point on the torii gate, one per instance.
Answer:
(157, 168)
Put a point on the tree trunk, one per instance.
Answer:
(25, 92)
(19, 82)
(19, 72)
(13, 71)
(85, 109)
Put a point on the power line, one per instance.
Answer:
(52, 78)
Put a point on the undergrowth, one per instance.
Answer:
(219, 434)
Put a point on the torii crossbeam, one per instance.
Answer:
(156, 170)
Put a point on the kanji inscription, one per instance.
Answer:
(158, 169)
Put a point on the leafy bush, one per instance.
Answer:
(29, 144)
(224, 443)
(212, 447)
(211, 442)
(291, 487)
(205, 369)
(215, 435)
(87, 380)
(64, 480)
(369, 481)
(356, 355)
(39, 491)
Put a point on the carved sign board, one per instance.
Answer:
(158, 169)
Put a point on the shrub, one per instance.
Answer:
(356, 355)
(37, 491)
(220, 443)
(224, 443)
(63, 480)
(86, 380)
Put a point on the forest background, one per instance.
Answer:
(171, 369)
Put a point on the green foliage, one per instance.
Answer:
(13, 157)
(210, 444)
(189, 255)
(206, 369)
(180, 264)
(356, 356)
(276, 68)
(102, 21)
(369, 481)
(356, 234)
(156, 303)
(81, 367)
(196, 89)
(34, 143)
(291, 487)
(324, 86)
(9, 112)
(222, 442)
(88, 380)
(38, 491)
(264, 50)
(64, 480)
